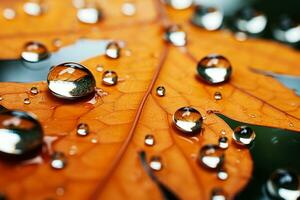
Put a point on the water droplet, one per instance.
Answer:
(1, 98)
(218, 95)
(109, 78)
(240, 36)
(34, 90)
(160, 91)
(188, 120)
(113, 50)
(128, 9)
(149, 140)
(222, 174)
(211, 156)
(73, 150)
(283, 184)
(82, 129)
(58, 160)
(208, 17)
(89, 15)
(94, 140)
(26, 101)
(180, 4)
(57, 43)
(287, 30)
(218, 194)
(71, 81)
(99, 68)
(155, 163)
(34, 52)
(176, 36)
(9, 13)
(251, 21)
(214, 69)
(60, 191)
(223, 142)
(243, 135)
(223, 132)
(21, 135)
(33, 8)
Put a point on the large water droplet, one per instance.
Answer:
(180, 4)
(160, 91)
(9, 13)
(287, 30)
(214, 69)
(155, 163)
(113, 50)
(34, 52)
(82, 129)
(211, 156)
(284, 184)
(58, 160)
(89, 15)
(243, 135)
(33, 8)
(223, 142)
(109, 78)
(149, 140)
(251, 21)
(218, 194)
(207, 17)
(175, 35)
(21, 135)
(188, 120)
(71, 81)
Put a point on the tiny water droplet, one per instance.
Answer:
(99, 68)
(243, 135)
(283, 184)
(1, 98)
(211, 156)
(113, 50)
(89, 15)
(94, 140)
(218, 95)
(60, 191)
(34, 52)
(128, 9)
(160, 91)
(26, 101)
(214, 69)
(71, 81)
(240, 36)
(287, 30)
(223, 132)
(209, 18)
(251, 21)
(223, 142)
(34, 90)
(57, 43)
(155, 163)
(188, 120)
(58, 160)
(291, 124)
(73, 150)
(149, 140)
(9, 13)
(33, 8)
(222, 174)
(180, 4)
(82, 129)
(109, 77)
(175, 35)
(218, 194)
(21, 135)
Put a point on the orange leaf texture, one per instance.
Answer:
(106, 164)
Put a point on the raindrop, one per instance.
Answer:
(209, 18)
(99, 68)
(218, 95)
(149, 140)
(283, 184)
(211, 156)
(34, 52)
(251, 21)
(214, 69)
(33, 8)
(128, 9)
(180, 4)
(26, 101)
(160, 91)
(243, 135)
(113, 50)
(287, 30)
(58, 160)
(34, 90)
(222, 174)
(109, 78)
(82, 129)
(155, 163)
(89, 15)
(71, 81)
(21, 135)
(175, 35)
(9, 13)
(223, 142)
(218, 194)
(188, 120)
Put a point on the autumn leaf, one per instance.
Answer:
(105, 164)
